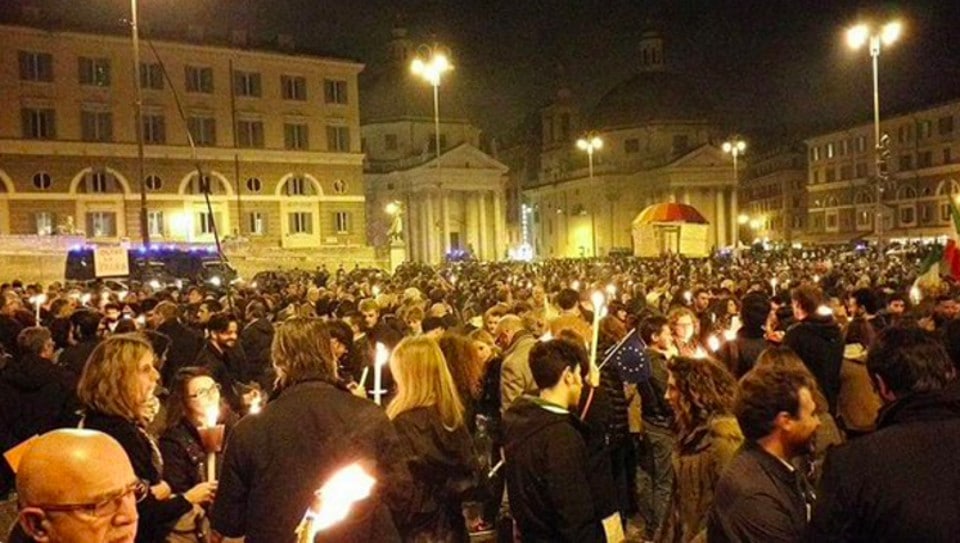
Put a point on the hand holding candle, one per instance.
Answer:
(334, 500)
(211, 436)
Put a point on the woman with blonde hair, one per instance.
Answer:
(701, 393)
(428, 416)
(116, 390)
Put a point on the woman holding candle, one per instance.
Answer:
(434, 441)
(116, 390)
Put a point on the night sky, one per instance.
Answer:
(772, 67)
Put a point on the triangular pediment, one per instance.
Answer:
(465, 157)
(705, 156)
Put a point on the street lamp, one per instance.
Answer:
(589, 143)
(857, 37)
(735, 147)
(431, 63)
(135, 33)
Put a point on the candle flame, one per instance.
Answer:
(335, 498)
(575, 285)
(597, 298)
(211, 415)
(729, 335)
(382, 354)
(256, 404)
(688, 296)
(714, 343)
(915, 295)
(700, 353)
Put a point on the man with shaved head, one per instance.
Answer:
(77, 486)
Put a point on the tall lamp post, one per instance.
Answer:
(857, 37)
(135, 32)
(431, 63)
(590, 142)
(735, 147)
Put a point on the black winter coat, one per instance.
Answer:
(256, 339)
(216, 362)
(185, 344)
(546, 472)
(45, 397)
(740, 355)
(818, 342)
(276, 460)
(74, 357)
(899, 483)
(758, 498)
(156, 517)
(444, 467)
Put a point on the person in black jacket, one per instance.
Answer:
(10, 326)
(214, 356)
(255, 338)
(276, 460)
(817, 340)
(186, 343)
(761, 496)
(429, 418)
(741, 354)
(85, 326)
(901, 482)
(116, 389)
(545, 454)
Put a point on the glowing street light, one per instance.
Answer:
(590, 142)
(735, 147)
(857, 37)
(743, 219)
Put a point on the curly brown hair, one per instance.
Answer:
(464, 364)
(705, 389)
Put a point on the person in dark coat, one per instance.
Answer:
(116, 389)
(85, 326)
(817, 340)
(215, 356)
(545, 453)
(901, 482)
(760, 496)
(429, 418)
(185, 345)
(10, 326)
(43, 392)
(275, 461)
(741, 354)
(255, 339)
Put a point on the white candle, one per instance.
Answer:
(379, 360)
(37, 302)
(597, 299)
(212, 415)
(714, 343)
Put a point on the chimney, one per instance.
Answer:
(239, 38)
(285, 41)
(195, 33)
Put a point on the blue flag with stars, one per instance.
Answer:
(629, 358)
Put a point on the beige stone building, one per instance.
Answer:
(277, 135)
(658, 146)
(773, 195)
(924, 166)
(452, 202)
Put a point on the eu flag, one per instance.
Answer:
(629, 358)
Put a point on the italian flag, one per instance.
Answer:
(945, 259)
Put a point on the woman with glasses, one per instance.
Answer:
(116, 390)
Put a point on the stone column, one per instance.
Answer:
(734, 214)
(431, 230)
(470, 219)
(445, 213)
(499, 226)
(720, 218)
(408, 228)
(484, 253)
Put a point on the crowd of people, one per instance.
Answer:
(769, 396)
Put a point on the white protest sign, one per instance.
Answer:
(110, 262)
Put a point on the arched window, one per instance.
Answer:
(863, 197)
(832, 202)
(906, 193)
(98, 182)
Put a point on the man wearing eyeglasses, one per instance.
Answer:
(76, 486)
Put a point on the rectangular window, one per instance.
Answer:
(860, 144)
(844, 146)
(831, 175)
(944, 212)
(924, 159)
(101, 224)
(338, 139)
(830, 150)
(257, 224)
(155, 223)
(96, 125)
(247, 84)
(846, 172)
(907, 215)
(205, 223)
(154, 129)
(924, 129)
(334, 91)
(341, 222)
(35, 66)
(906, 162)
(95, 71)
(924, 213)
(301, 223)
(945, 125)
(831, 221)
(390, 142)
(98, 182)
(203, 130)
(631, 146)
(38, 124)
(904, 133)
(947, 155)
(293, 87)
(296, 186)
(44, 222)
(296, 136)
(250, 134)
(861, 169)
(151, 76)
(816, 177)
(814, 153)
(199, 79)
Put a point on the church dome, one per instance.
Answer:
(650, 96)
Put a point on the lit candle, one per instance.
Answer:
(597, 299)
(611, 290)
(334, 500)
(714, 343)
(211, 436)
(773, 285)
(376, 290)
(37, 302)
(575, 285)
(379, 360)
(688, 296)
(256, 404)
(85, 299)
(915, 295)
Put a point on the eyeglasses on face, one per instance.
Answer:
(206, 392)
(107, 506)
